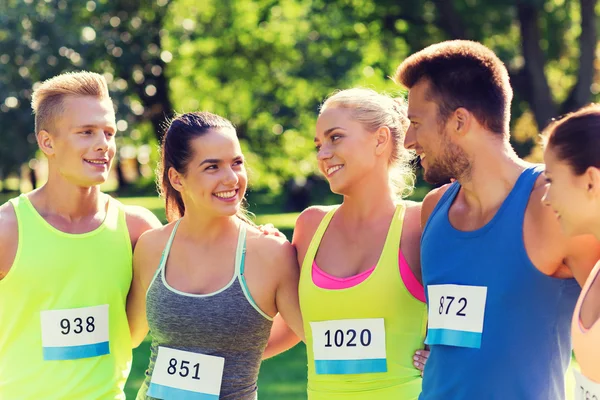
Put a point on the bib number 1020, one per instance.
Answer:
(183, 370)
(349, 338)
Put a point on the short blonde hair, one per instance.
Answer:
(374, 110)
(47, 99)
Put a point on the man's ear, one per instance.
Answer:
(462, 121)
(45, 142)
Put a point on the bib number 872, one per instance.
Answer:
(339, 338)
(172, 369)
(462, 301)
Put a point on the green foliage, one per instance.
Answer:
(265, 64)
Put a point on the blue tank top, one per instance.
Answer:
(516, 343)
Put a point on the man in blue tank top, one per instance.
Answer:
(494, 260)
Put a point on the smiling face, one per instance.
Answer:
(215, 178)
(441, 158)
(345, 149)
(570, 196)
(81, 145)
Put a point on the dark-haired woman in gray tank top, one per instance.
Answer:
(208, 284)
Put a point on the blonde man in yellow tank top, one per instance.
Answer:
(360, 294)
(66, 254)
(572, 157)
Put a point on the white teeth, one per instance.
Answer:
(96, 161)
(226, 195)
(331, 170)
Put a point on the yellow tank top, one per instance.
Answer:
(360, 341)
(586, 342)
(64, 331)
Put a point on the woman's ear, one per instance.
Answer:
(383, 136)
(592, 180)
(175, 179)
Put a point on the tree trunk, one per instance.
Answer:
(32, 178)
(581, 94)
(158, 107)
(450, 20)
(536, 89)
(120, 177)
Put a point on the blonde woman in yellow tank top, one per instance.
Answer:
(572, 157)
(361, 298)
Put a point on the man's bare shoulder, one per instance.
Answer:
(139, 220)
(8, 222)
(430, 201)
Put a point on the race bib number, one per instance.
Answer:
(181, 374)
(456, 315)
(349, 346)
(585, 389)
(75, 333)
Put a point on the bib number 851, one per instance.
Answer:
(339, 338)
(172, 369)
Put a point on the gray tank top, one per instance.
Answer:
(226, 323)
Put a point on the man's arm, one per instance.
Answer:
(583, 252)
(551, 251)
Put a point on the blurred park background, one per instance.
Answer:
(267, 65)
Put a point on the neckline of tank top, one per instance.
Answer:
(373, 269)
(239, 259)
(409, 280)
(583, 328)
(111, 209)
(527, 172)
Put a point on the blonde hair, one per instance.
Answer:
(47, 99)
(374, 110)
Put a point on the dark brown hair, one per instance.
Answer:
(575, 139)
(462, 73)
(177, 152)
